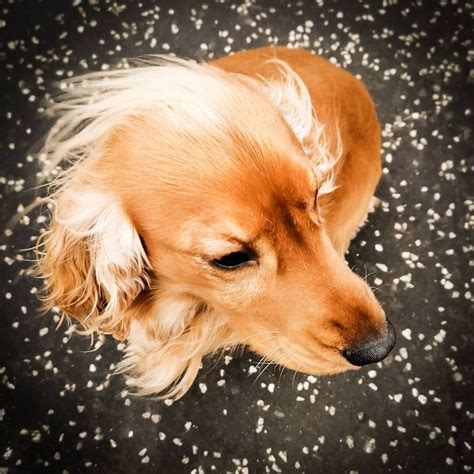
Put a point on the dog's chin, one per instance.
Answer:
(300, 359)
(317, 366)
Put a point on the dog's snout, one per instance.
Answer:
(374, 350)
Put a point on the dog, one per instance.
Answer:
(210, 206)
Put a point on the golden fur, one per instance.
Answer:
(176, 165)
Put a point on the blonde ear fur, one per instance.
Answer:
(292, 99)
(93, 262)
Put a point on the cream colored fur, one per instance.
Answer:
(95, 263)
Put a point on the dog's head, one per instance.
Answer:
(191, 222)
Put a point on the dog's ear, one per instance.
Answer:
(93, 260)
(293, 100)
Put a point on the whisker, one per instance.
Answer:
(265, 358)
(294, 375)
(262, 371)
(284, 364)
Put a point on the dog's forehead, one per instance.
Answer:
(234, 219)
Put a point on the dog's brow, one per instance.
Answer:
(284, 215)
(223, 244)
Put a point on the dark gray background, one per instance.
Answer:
(413, 412)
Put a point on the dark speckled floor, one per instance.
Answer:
(61, 411)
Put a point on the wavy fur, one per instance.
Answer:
(96, 266)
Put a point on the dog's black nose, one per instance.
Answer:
(372, 351)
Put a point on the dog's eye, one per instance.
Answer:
(233, 260)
